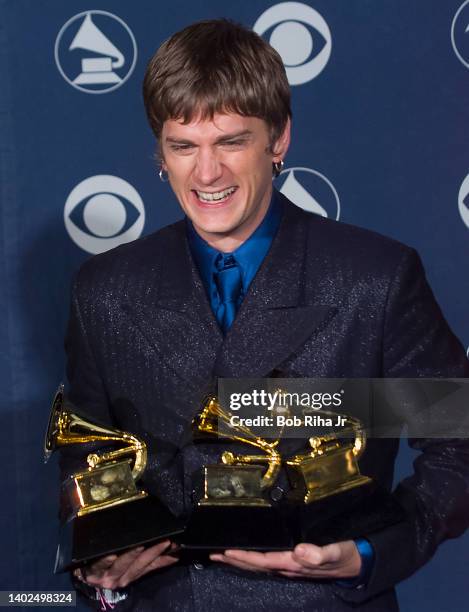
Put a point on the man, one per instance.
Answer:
(249, 284)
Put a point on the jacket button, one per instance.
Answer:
(198, 566)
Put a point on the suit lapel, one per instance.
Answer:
(276, 316)
(173, 312)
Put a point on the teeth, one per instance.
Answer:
(216, 196)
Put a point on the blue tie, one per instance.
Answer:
(228, 282)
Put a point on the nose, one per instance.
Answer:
(208, 168)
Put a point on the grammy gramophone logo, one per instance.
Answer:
(310, 190)
(95, 51)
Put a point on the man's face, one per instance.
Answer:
(221, 173)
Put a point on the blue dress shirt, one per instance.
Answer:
(249, 255)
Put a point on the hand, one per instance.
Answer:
(334, 561)
(117, 571)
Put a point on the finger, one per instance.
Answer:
(79, 574)
(162, 561)
(158, 563)
(311, 556)
(102, 564)
(107, 577)
(265, 561)
(300, 573)
(123, 566)
(144, 556)
(235, 563)
(293, 575)
(151, 558)
(157, 549)
(123, 561)
(318, 573)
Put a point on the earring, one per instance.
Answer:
(277, 168)
(161, 174)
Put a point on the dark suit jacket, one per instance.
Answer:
(329, 300)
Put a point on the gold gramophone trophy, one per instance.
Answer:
(334, 501)
(105, 511)
(235, 510)
(330, 466)
(240, 480)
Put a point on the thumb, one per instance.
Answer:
(308, 555)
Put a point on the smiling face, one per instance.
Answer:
(221, 172)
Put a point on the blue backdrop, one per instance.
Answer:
(380, 104)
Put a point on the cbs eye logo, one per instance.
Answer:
(103, 212)
(304, 50)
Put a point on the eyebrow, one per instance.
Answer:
(220, 139)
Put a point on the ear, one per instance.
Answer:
(160, 161)
(282, 144)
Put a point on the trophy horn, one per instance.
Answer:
(66, 427)
(214, 420)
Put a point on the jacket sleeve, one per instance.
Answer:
(417, 342)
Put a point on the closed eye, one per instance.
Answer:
(180, 147)
(239, 142)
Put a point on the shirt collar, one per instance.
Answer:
(249, 255)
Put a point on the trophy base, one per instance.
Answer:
(84, 538)
(346, 515)
(213, 529)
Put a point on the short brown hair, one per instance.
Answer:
(216, 66)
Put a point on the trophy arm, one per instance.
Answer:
(229, 458)
(136, 448)
(274, 461)
(269, 478)
(320, 444)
